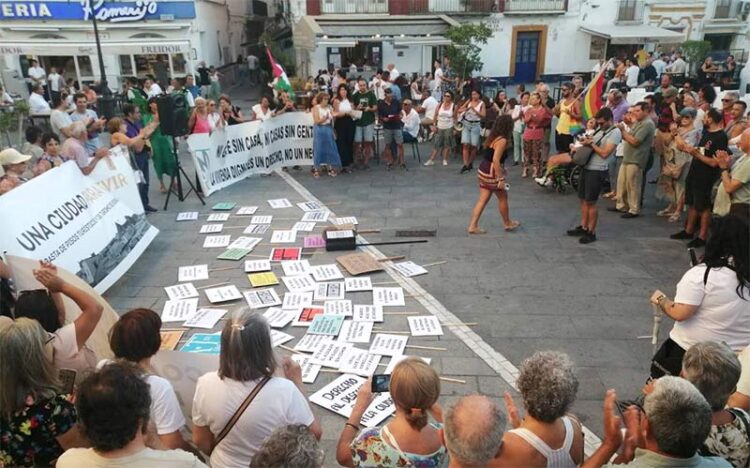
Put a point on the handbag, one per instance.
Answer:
(237, 414)
(582, 155)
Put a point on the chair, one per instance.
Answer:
(415, 151)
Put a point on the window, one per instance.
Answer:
(126, 65)
(179, 64)
(598, 48)
(84, 65)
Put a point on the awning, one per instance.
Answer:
(58, 47)
(636, 34)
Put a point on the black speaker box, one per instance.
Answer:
(173, 114)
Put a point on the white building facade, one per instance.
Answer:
(134, 35)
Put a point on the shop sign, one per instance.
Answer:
(105, 11)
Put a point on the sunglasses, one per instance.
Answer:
(727, 100)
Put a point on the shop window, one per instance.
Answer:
(179, 64)
(84, 65)
(144, 64)
(126, 65)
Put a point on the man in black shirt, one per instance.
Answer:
(389, 112)
(702, 175)
(204, 81)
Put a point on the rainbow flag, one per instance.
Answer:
(592, 98)
(278, 72)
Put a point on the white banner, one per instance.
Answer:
(93, 226)
(235, 152)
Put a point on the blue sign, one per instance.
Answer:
(105, 11)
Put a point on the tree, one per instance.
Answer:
(464, 52)
(695, 52)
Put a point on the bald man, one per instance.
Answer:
(473, 431)
(733, 195)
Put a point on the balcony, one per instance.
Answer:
(629, 11)
(416, 7)
(532, 7)
(727, 10)
(344, 7)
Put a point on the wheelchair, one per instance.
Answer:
(565, 177)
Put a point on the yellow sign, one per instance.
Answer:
(267, 278)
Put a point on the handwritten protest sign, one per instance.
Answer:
(363, 283)
(203, 343)
(368, 313)
(179, 310)
(339, 307)
(425, 325)
(211, 228)
(192, 273)
(181, 291)
(306, 316)
(314, 242)
(205, 318)
(359, 263)
(284, 236)
(223, 206)
(215, 241)
(299, 283)
(326, 325)
(388, 345)
(170, 338)
(223, 294)
(329, 291)
(303, 226)
(330, 353)
(340, 396)
(409, 269)
(279, 338)
(252, 266)
(299, 267)
(297, 300)
(218, 217)
(278, 317)
(309, 343)
(289, 253)
(245, 243)
(234, 254)
(279, 203)
(360, 362)
(267, 278)
(247, 210)
(262, 298)
(256, 229)
(388, 297)
(355, 332)
(326, 272)
(187, 216)
(258, 219)
(309, 370)
(311, 206)
(316, 216)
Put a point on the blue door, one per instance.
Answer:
(527, 46)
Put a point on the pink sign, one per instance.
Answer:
(314, 242)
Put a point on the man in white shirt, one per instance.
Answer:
(428, 106)
(678, 66)
(152, 88)
(59, 119)
(631, 73)
(393, 73)
(93, 123)
(377, 85)
(5, 99)
(411, 121)
(252, 67)
(37, 76)
(659, 65)
(55, 82)
(438, 81)
(38, 105)
(118, 393)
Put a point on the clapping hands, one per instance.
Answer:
(723, 159)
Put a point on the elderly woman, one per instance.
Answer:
(714, 370)
(200, 120)
(30, 394)
(292, 445)
(676, 164)
(548, 435)
(407, 440)
(712, 302)
(74, 148)
(245, 387)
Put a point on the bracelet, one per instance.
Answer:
(353, 426)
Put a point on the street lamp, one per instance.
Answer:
(106, 102)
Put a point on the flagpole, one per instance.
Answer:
(603, 69)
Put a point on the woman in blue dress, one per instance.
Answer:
(325, 152)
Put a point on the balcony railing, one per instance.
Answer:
(442, 6)
(353, 6)
(533, 6)
(629, 11)
(726, 9)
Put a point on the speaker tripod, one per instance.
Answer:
(176, 178)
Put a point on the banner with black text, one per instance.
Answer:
(235, 152)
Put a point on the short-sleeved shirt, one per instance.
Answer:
(367, 99)
(132, 130)
(67, 355)
(743, 385)
(648, 459)
(58, 120)
(731, 441)
(711, 142)
(93, 143)
(28, 437)
(722, 314)
(429, 105)
(278, 404)
(740, 172)
(386, 110)
(74, 150)
(370, 450)
(603, 138)
(149, 457)
(642, 131)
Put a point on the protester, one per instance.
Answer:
(472, 111)
(678, 66)
(262, 111)
(51, 145)
(568, 111)
(492, 173)
(650, 75)
(33, 145)
(130, 132)
(603, 144)
(94, 124)
(427, 107)
(473, 432)
(536, 118)
(632, 70)
(289, 446)
(727, 102)
(74, 148)
(231, 114)
(90, 94)
(445, 119)
(408, 439)
(711, 302)
(411, 122)
(389, 113)
(702, 175)
(365, 104)
(670, 430)
(162, 151)
(152, 88)
(113, 408)
(215, 119)
(199, 120)
(14, 164)
(56, 83)
(59, 119)
(733, 194)
(247, 362)
(325, 152)
(178, 89)
(191, 87)
(517, 113)
(738, 122)
(667, 113)
(344, 126)
(135, 337)
(676, 163)
(37, 77)
(714, 370)
(636, 150)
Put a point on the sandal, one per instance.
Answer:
(476, 231)
(332, 173)
(512, 226)
(316, 173)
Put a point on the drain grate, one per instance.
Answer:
(416, 233)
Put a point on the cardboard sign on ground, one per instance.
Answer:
(359, 263)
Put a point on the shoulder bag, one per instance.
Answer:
(240, 411)
(582, 155)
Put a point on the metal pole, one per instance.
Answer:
(105, 88)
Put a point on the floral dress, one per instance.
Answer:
(28, 437)
(369, 449)
(731, 441)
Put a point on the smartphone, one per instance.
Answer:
(67, 380)
(693, 257)
(380, 383)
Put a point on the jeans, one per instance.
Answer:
(141, 160)
(613, 164)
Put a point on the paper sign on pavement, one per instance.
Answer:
(170, 338)
(311, 206)
(279, 338)
(360, 362)
(253, 266)
(247, 210)
(330, 354)
(261, 298)
(284, 236)
(293, 268)
(215, 241)
(284, 254)
(326, 325)
(205, 318)
(388, 345)
(314, 242)
(303, 226)
(320, 216)
(297, 300)
(368, 313)
(306, 316)
(278, 317)
(309, 370)
(223, 294)
(233, 254)
(245, 243)
(223, 206)
(345, 220)
(326, 272)
(329, 291)
(388, 297)
(204, 343)
(309, 343)
(396, 359)
(340, 396)
(363, 283)
(213, 217)
(339, 307)
(425, 325)
(259, 219)
(279, 203)
(409, 269)
(355, 332)
(178, 311)
(192, 273)
(299, 283)
(256, 229)
(181, 291)
(211, 228)
(187, 216)
(359, 263)
(266, 278)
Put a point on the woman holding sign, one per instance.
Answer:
(325, 152)
(408, 439)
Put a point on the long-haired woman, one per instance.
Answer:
(325, 151)
(161, 146)
(344, 126)
(442, 128)
(492, 175)
(537, 118)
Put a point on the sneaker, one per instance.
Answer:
(697, 242)
(674, 218)
(445, 162)
(430, 163)
(577, 231)
(682, 235)
(664, 212)
(541, 181)
(464, 169)
(150, 209)
(587, 238)
(629, 215)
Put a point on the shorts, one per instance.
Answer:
(426, 121)
(698, 192)
(364, 133)
(471, 133)
(563, 142)
(444, 139)
(591, 184)
(393, 135)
